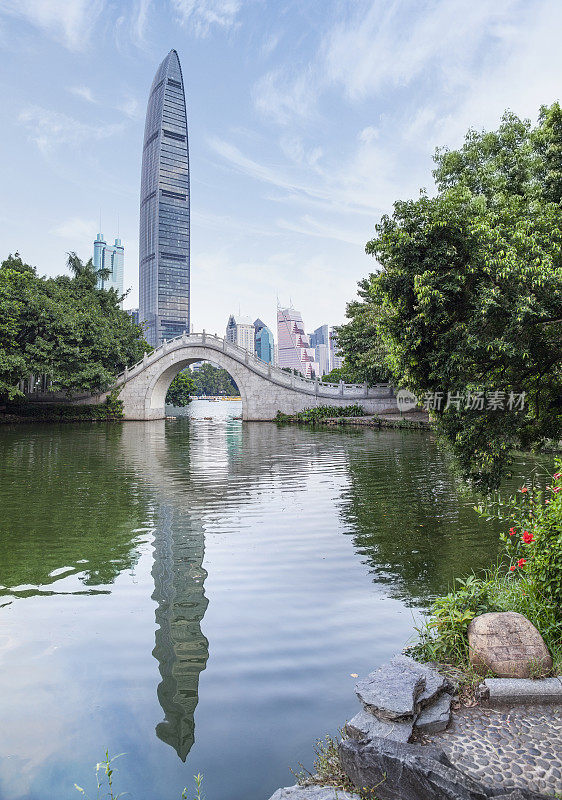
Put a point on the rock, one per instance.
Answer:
(312, 793)
(392, 692)
(367, 726)
(435, 717)
(396, 771)
(508, 645)
(435, 683)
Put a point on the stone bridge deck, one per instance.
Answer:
(264, 389)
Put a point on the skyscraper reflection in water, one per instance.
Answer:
(181, 648)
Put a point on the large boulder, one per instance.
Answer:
(507, 645)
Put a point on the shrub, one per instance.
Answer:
(322, 412)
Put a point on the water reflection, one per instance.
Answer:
(69, 510)
(181, 648)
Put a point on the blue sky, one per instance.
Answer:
(306, 120)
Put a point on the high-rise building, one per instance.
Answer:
(265, 344)
(241, 331)
(164, 208)
(294, 348)
(336, 361)
(109, 257)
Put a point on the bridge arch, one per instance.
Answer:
(157, 390)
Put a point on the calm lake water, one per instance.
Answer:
(196, 593)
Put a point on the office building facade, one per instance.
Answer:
(111, 259)
(241, 331)
(164, 268)
(294, 350)
(265, 343)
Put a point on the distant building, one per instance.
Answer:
(265, 343)
(320, 336)
(241, 331)
(134, 314)
(294, 348)
(110, 257)
(336, 360)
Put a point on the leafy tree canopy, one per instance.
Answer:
(469, 296)
(64, 327)
(210, 380)
(181, 389)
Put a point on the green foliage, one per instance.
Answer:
(360, 342)
(321, 412)
(63, 327)
(469, 296)
(335, 376)
(533, 543)
(181, 389)
(530, 583)
(213, 381)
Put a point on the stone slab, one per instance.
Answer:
(436, 716)
(312, 793)
(392, 692)
(366, 726)
(435, 683)
(523, 690)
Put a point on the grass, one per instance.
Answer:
(105, 778)
(328, 770)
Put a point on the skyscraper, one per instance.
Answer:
(109, 257)
(265, 344)
(164, 208)
(294, 346)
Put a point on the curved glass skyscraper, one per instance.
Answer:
(164, 208)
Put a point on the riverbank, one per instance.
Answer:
(413, 420)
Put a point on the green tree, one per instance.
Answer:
(64, 327)
(469, 297)
(181, 389)
(359, 340)
(210, 380)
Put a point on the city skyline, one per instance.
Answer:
(301, 138)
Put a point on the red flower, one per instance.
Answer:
(512, 567)
(547, 501)
(512, 531)
(557, 489)
(521, 562)
(557, 475)
(524, 489)
(528, 537)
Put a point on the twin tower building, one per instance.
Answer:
(164, 208)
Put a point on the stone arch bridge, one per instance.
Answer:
(264, 389)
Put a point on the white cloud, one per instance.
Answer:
(78, 233)
(49, 129)
(69, 21)
(130, 107)
(84, 92)
(201, 15)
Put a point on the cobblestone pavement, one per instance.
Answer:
(517, 747)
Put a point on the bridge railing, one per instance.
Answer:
(256, 364)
